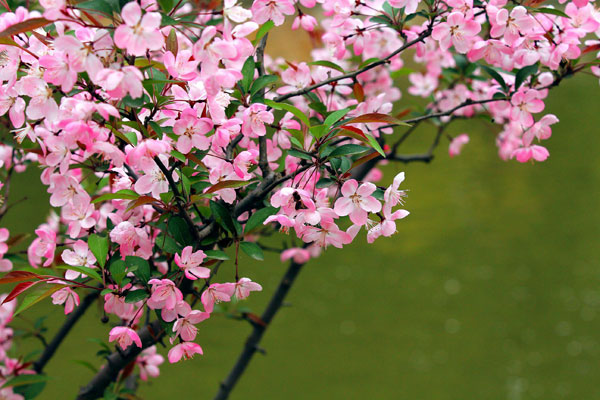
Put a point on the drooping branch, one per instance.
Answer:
(64, 330)
(115, 362)
(354, 74)
(258, 331)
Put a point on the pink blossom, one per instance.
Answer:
(535, 152)
(185, 350)
(519, 21)
(192, 131)
(138, 34)
(124, 337)
(165, 294)
(392, 196)
(190, 263)
(264, 10)
(66, 296)
(254, 119)
(148, 362)
(216, 293)
(298, 255)
(457, 144)
(457, 31)
(244, 286)
(357, 201)
(184, 326)
(79, 256)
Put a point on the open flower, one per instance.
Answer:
(357, 201)
(139, 34)
(124, 337)
(190, 263)
(185, 350)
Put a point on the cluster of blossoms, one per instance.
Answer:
(167, 136)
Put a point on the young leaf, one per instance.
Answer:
(258, 218)
(227, 184)
(117, 271)
(288, 107)
(19, 276)
(124, 194)
(328, 64)
(335, 116)
(523, 73)
(139, 267)
(99, 247)
(253, 250)
(262, 31)
(216, 255)
(136, 295)
(376, 117)
(496, 76)
(348, 149)
(261, 82)
(83, 270)
(30, 299)
(25, 26)
(248, 73)
(18, 289)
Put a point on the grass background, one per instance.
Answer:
(490, 289)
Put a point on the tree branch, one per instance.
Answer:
(354, 74)
(64, 330)
(258, 331)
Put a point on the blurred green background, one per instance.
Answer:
(490, 289)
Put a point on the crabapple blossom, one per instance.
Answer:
(357, 201)
(190, 261)
(167, 137)
(124, 337)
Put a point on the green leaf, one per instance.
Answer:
(324, 182)
(167, 244)
(288, 107)
(258, 218)
(261, 82)
(548, 10)
(253, 250)
(222, 216)
(348, 149)
(335, 116)
(328, 64)
(83, 270)
(373, 142)
(180, 231)
(216, 255)
(136, 295)
(318, 131)
(166, 5)
(99, 248)
(124, 194)
(523, 73)
(248, 73)
(117, 271)
(25, 379)
(262, 31)
(139, 267)
(35, 297)
(299, 154)
(496, 76)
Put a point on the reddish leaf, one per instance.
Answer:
(172, 44)
(364, 159)
(25, 26)
(20, 288)
(142, 200)
(359, 93)
(226, 184)
(19, 276)
(591, 48)
(353, 132)
(255, 319)
(376, 117)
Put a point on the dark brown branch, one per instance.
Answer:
(118, 360)
(263, 162)
(354, 74)
(64, 330)
(258, 331)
